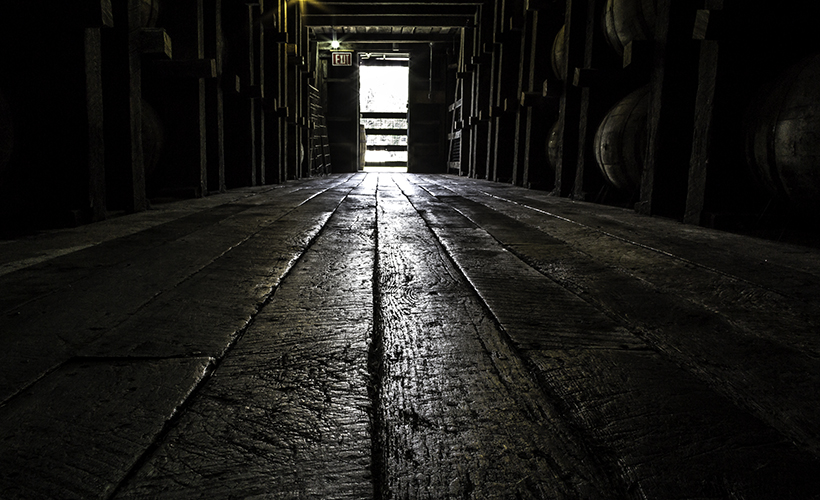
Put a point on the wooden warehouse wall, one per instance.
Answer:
(106, 105)
(700, 110)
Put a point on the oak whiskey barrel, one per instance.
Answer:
(628, 20)
(782, 135)
(620, 142)
(149, 13)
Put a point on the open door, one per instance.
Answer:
(383, 97)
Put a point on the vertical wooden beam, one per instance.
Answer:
(671, 111)
(177, 89)
(257, 44)
(273, 38)
(292, 96)
(214, 99)
(539, 116)
(467, 96)
(701, 141)
(586, 128)
(94, 121)
(569, 107)
(125, 169)
(482, 91)
(282, 122)
(523, 113)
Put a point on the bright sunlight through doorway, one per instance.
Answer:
(383, 92)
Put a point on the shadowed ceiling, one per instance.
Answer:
(389, 21)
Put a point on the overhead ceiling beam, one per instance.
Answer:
(443, 21)
(397, 2)
(403, 9)
(377, 38)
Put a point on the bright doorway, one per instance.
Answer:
(383, 96)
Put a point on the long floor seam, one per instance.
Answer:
(214, 365)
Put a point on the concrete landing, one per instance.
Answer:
(406, 336)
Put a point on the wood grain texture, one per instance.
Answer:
(89, 292)
(451, 387)
(287, 413)
(716, 323)
(408, 336)
(79, 430)
(633, 398)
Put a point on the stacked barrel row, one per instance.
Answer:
(702, 110)
(109, 105)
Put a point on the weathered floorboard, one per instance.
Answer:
(216, 303)
(451, 387)
(77, 432)
(755, 345)
(647, 414)
(287, 412)
(107, 283)
(406, 336)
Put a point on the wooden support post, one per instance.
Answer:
(94, 119)
(701, 142)
(523, 114)
(504, 116)
(257, 63)
(591, 79)
(673, 83)
(124, 159)
(270, 103)
(466, 82)
(540, 115)
(570, 103)
(241, 156)
(292, 94)
(176, 88)
(214, 100)
(480, 142)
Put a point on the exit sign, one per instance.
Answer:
(342, 58)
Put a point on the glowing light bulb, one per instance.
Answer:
(335, 44)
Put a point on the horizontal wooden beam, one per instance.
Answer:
(386, 131)
(386, 147)
(406, 9)
(388, 20)
(377, 38)
(406, 2)
(393, 9)
(400, 116)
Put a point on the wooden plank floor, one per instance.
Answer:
(406, 336)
